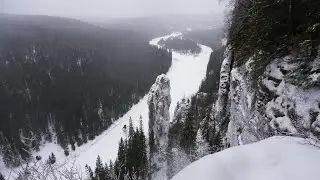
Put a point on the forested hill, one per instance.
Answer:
(64, 80)
(181, 45)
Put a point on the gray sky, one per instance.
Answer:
(109, 8)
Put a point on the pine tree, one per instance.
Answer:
(107, 171)
(136, 152)
(130, 151)
(133, 153)
(120, 164)
(52, 159)
(100, 170)
(112, 173)
(131, 129)
(84, 136)
(90, 172)
(188, 135)
(143, 150)
(73, 147)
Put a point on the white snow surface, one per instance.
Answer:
(185, 74)
(276, 158)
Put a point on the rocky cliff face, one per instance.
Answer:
(159, 101)
(284, 100)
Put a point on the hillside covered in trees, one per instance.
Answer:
(66, 81)
(180, 45)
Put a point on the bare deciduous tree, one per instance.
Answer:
(42, 170)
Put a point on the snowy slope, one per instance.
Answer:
(185, 74)
(276, 158)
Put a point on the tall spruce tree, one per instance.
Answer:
(112, 173)
(90, 173)
(130, 151)
(107, 171)
(100, 172)
(143, 151)
(131, 128)
(188, 135)
(121, 163)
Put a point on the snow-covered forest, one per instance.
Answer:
(185, 100)
(63, 81)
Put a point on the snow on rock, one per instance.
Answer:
(276, 158)
(283, 100)
(316, 125)
(315, 77)
(224, 41)
(220, 108)
(292, 105)
(283, 124)
(159, 101)
(242, 121)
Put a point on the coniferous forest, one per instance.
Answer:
(132, 160)
(66, 81)
(180, 45)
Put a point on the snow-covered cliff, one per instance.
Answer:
(159, 101)
(221, 107)
(285, 99)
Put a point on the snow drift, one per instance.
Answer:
(276, 158)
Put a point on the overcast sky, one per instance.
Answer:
(109, 8)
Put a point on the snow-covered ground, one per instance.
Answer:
(185, 74)
(276, 158)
